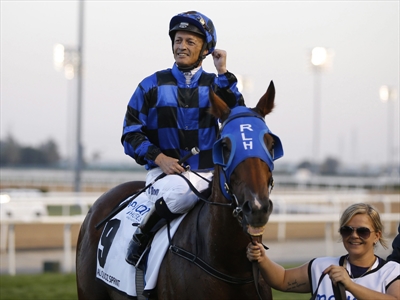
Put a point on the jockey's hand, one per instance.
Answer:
(219, 57)
(168, 165)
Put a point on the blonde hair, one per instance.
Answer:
(371, 212)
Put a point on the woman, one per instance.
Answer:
(363, 274)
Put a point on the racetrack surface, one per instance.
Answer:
(39, 245)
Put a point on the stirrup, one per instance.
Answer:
(136, 259)
(139, 265)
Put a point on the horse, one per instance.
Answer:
(207, 255)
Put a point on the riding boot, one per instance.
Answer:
(141, 237)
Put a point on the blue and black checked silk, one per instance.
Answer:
(167, 115)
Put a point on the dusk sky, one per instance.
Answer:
(125, 41)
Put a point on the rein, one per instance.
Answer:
(199, 262)
(235, 205)
(207, 268)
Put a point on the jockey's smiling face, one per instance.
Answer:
(187, 47)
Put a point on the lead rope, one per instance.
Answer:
(256, 270)
(339, 291)
(256, 273)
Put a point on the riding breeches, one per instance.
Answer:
(175, 190)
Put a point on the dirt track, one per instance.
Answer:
(41, 236)
(52, 236)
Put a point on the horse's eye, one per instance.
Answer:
(270, 144)
(226, 143)
(226, 149)
(271, 150)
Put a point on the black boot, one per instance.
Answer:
(136, 247)
(141, 237)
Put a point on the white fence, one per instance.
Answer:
(316, 206)
(8, 226)
(288, 208)
(98, 180)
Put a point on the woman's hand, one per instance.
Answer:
(338, 274)
(255, 252)
(293, 280)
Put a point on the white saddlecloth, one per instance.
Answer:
(116, 272)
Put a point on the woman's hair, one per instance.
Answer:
(371, 212)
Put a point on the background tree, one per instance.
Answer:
(9, 151)
(16, 155)
(330, 166)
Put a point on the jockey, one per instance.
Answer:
(167, 116)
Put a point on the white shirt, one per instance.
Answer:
(378, 278)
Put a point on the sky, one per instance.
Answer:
(125, 41)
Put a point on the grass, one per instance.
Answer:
(51, 286)
(46, 286)
(57, 210)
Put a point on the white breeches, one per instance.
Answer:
(174, 189)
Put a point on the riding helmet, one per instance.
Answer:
(195, 22)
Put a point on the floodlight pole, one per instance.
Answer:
(79, 150)
(319, 58)
(317, 118)
(387, 95)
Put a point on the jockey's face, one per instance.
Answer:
(187, 47)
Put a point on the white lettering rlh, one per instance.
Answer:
(248, 145)
(244, 138)
(245, 127)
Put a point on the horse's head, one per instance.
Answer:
(244, 157)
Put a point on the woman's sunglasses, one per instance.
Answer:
(362, 232)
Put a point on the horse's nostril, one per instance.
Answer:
(246, 207)
(270, 206)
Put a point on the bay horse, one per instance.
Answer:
(207, 256)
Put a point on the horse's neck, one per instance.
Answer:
(222, 224)
(219, 218)
(222, 240)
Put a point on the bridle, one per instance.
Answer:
(233, 129)
(245, 129)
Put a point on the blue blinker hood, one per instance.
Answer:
(245, 129)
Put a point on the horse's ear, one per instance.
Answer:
(267, 102)
(219, 108)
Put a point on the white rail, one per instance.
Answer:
(101, 180)
(288, 208)
(329, 203)
(8, 227)
(67, 221)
